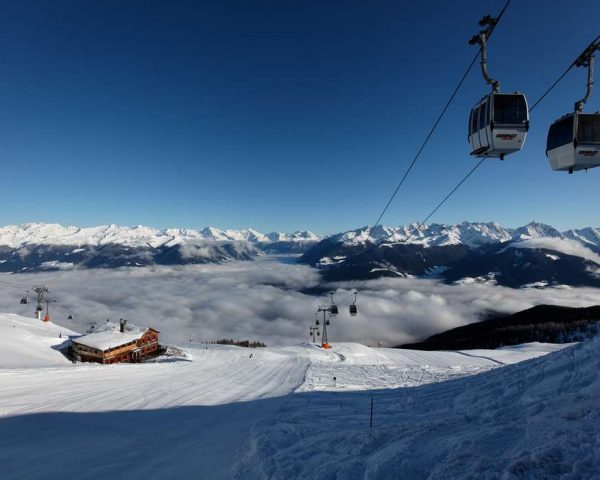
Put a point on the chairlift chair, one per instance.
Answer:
(333, 310)
(24, 301)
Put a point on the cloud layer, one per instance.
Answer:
(260, 300)
(564, 245)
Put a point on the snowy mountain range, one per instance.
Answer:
(533, 255)
(536, 254)
(38, 246)
(466, 233)
(17, 236)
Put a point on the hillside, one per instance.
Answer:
(29, 343)
(213, 412)
(532, 420)
(543, 323)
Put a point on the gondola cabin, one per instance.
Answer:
(574, 142)
(498, 125)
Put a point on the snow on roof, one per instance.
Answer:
(110, 336)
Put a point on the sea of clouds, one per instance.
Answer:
(262, 300)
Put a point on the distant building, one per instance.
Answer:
(114, 343)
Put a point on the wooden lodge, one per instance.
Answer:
(113, 343)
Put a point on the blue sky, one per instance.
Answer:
(277, 115)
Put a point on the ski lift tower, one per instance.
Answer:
(332, 310)
(48, 301)
(41, 291)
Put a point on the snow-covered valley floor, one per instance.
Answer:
(220, 413)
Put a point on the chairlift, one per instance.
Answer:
(24, 301)
(499, 122)
(70, 317)
(574, 139)
(317, 322)
(39, 308)
(327, 322)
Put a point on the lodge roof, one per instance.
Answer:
(109, 336)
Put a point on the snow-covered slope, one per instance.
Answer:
(277, 410)
(533, 420)
(590, 236)
(29, 343)
(16, 236)
(536, 230)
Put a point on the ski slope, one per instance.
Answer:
(216, 411)
(538, 419)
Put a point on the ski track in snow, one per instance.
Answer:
(277, 414)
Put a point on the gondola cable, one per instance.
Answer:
(464, 179)
(474, 169)
(559, 79)
(435, 125)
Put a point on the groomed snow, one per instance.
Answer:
(29, 343)
(538, 419)
(216, 411)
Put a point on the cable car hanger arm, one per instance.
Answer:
(482, 39)
(586, 59)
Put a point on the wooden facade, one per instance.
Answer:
(133, 351)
